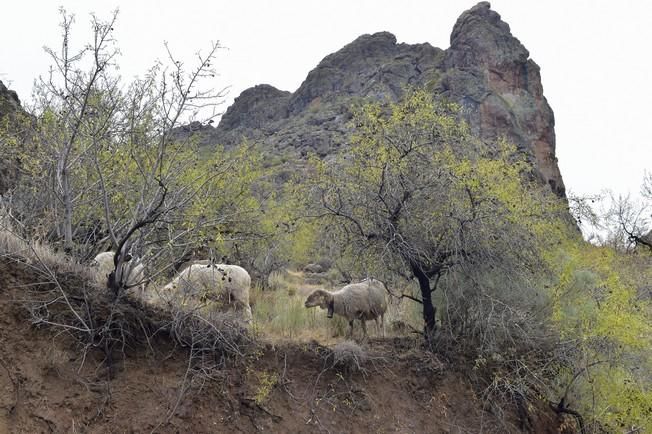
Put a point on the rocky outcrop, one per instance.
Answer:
(256, 107)
(315, 117)
(251, 116)
(485, 69)
(491, 74)
(372, 65)
(9, 102)
(9, 164)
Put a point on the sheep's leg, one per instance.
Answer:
(351, 329)
(382, 323)
(377, 325)
(364, 328)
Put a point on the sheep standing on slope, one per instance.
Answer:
(212, 281)
(104, 265)
(362, 301)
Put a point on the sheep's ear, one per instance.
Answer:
(324, 297)
(319, 293)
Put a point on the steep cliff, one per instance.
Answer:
(490, 73)
(9, 105)
(485, 69)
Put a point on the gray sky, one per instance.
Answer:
(594, 57)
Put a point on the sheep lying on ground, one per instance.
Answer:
(211, 281)
(362, 301)
(103, 263)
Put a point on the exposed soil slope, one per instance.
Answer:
(46, 386)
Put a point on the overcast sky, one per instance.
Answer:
(594, 57)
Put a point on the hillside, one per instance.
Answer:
(486, 70)
(365, 254)
(49, 383)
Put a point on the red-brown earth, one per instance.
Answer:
(48, 386)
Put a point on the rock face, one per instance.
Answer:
(9, 104)
(9, 101)
(485, 69)
(490, 73)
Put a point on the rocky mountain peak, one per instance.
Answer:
(490, 73)
(361, 51)
(480, 36)
(256, 106)
(486, 70)
(349, 70)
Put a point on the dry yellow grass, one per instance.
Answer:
(280, 315)
(39, 255)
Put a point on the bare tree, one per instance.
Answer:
(107, 155)
(628, 223)
(71, 93)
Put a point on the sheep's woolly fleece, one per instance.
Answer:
(208, 281)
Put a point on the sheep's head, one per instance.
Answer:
(320, 298)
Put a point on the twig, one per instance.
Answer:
(14, 382)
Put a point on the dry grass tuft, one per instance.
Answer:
(281, 315)
(213, 338)
(14, 246)
(347, 356)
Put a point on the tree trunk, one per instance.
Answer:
(426, 298)
(67, 211)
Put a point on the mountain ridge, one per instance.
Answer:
(486, 70)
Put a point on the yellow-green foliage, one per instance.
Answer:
(226, 196)
(414, 184)
(414, 189)
(290, 237)
(597, 307)
(266, 383)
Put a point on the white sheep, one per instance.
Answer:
(363, 301)
(134, 270)
(204, 262)
(210, 281)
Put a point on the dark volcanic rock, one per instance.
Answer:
(256, 107)
(9, 164)
(9, 102)
(315, 117)
(372, 65)
(486, 70)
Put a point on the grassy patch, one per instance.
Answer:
(280, 314)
